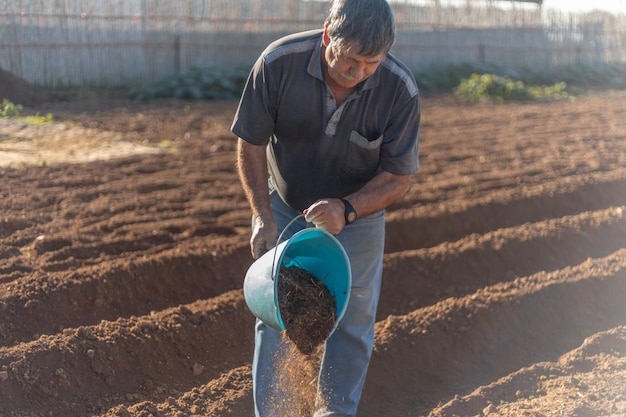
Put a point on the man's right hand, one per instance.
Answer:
(263, 236)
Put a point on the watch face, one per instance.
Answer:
(351, 217)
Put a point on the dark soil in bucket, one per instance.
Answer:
(307, 308)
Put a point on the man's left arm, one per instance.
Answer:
(399, 154)
(379, 193)
(376, 195)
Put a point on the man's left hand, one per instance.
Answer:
(327, 214)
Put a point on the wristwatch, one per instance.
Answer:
(349, 211)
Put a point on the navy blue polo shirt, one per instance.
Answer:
(316, 149)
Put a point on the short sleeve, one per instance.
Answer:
(256, 115)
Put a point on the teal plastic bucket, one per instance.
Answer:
(314, 250)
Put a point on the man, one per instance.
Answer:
(334, 119)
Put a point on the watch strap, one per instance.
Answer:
(349, 213)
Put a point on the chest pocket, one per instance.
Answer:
(363, 154)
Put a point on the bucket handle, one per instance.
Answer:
(278, 241)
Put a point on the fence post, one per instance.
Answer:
(177, 54)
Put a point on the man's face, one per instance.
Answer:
(346, 68)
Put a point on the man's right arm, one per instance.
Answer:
(252, 167)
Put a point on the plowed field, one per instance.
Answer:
(123, 248)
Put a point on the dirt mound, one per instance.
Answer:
(578, 384)
(504, 273)
(18, 91)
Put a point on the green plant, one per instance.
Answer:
(37, 119)
(577, 77)
(446, 77)
(8, 109)
(504, 88)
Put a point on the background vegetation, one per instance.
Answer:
(472, 82)
(9, 109)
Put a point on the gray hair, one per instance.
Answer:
(366, 25)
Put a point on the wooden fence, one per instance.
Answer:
(113, 43)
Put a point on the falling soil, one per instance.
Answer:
(297, 381)
(307, 308)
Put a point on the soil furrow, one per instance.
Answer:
(172, 351)
(433, 354)
(543, 382)
(431, 224)
(416, 278)
(154, 282)
(460, 344)
(133, 333)
(43, 304)
(230, 395)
